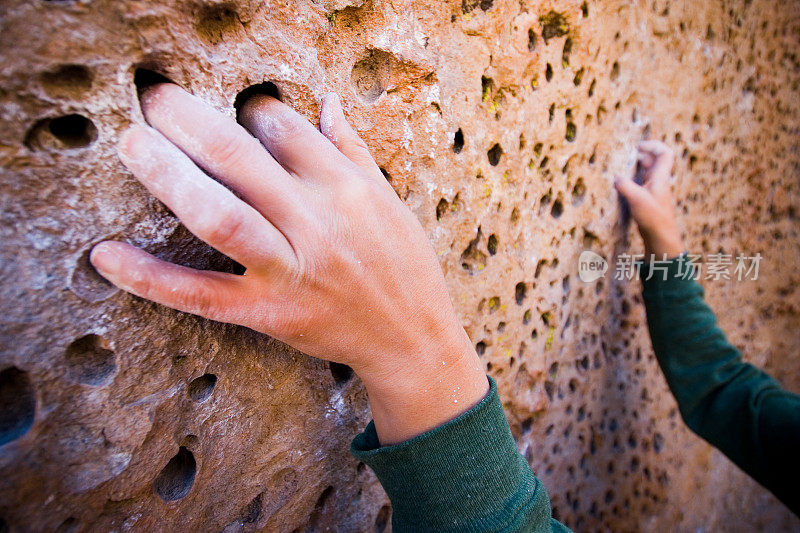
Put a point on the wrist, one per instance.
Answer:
(425, 390)
(661, 246)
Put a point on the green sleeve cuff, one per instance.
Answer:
(465, 475)
(670, 279)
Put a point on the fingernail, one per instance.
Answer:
(337, 104)
(105, 259)
(330, 114)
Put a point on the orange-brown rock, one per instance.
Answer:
(501, 124)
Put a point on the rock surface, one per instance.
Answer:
(501, 124)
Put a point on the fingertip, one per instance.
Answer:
(624, 186)
(153, 94)
(255, 106)
(132, 143)
(330, 112)
(331, 102)
(331, 97)
(105, 258)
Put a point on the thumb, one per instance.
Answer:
(643, 205)
(334, 126)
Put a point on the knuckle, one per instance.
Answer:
(200, 299)
(358, 193)
(274, 121)
(142, 283)
(288, 127)
(225, 149)
(222, 227)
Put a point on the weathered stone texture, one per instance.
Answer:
(501, 125)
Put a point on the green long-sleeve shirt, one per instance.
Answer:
(467, 475)
(463, 476)
(733, 405)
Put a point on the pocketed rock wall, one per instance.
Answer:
(501, 124)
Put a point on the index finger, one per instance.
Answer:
(206, 207)
(658, 159)
(218, 144)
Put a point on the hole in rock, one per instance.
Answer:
(578, 77)
(441, 208)
(67, 132)
(526, 317)
(531, 40)
(615, 70)
(87, 284)
(458, 141)
(371, 74)
(190, 442)
(90, 360)
(70, 525)
(341, 373)
(572, 132)
(144, 78)
(658, 442)
(317, 515)
(491, 244)
(176, 479)
(472, 259)
(487, 86)
(201, 388)
(253, 510)
(592, 87)
(548, 72)
(520, 291)
(494, 154)
(67, 81)
(74, 131)
(215, 21)
(578, 191)
(19, 404)
(266, 88)
(585, 10)
(382, 519)
(567, 50)
(549, 389)
(554, 24)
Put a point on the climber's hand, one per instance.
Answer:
(651, 203)
(336, 265)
